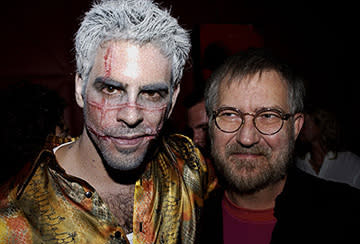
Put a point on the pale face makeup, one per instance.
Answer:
(126, 99)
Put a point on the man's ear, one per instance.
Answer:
(78, 90)
(173, 99)
(298, 123)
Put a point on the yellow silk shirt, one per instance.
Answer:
(45, 205)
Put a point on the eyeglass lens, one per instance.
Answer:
(266, 122)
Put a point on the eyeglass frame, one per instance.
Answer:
(283, 116)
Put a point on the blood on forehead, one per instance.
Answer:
(108, 60)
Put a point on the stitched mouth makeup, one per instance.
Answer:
(125, 140)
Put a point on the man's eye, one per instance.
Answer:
(228, 114)
(109, 89)
(153, 96)
(204, 128)
(268, 117)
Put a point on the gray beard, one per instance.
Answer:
(271, 170)
(124, 161)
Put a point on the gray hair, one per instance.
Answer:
(138, 21)
(248, 63)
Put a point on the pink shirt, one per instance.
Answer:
(246, 226)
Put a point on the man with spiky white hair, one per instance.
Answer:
(122, 181)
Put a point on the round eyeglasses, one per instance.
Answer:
(267, 121)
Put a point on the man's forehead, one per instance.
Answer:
(261, 78)
(267, 86)
(198, 107)
(131, 49)
(129, 63)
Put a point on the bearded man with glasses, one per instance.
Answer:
(254, 102)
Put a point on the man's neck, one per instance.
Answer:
(82, 160)
(263, 199)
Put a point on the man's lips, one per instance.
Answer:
(124, 140)
(246, 155)
(130, 141)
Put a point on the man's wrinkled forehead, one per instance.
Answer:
(238, 78)
(256, 80)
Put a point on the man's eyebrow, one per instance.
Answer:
(162, 87)
(99, 81)
(275, 107)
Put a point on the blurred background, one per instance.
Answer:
(320, 39)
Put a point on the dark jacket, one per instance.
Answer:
(309, 210)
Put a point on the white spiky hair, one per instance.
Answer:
(138, 21)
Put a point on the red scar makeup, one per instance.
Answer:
(126, 99)
(108, 112)
(106, 107)
(107, 61)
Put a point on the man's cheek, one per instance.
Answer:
(99, 115)
(155, 120)
(102, 115)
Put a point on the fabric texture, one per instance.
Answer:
(45, 205)
(309, 210)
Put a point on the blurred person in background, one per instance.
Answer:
(32, 117)
(197, 120)
(320, 151)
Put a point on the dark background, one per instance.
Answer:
(320, 39)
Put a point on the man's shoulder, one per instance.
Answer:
(179, 140)
(302, 180)
(307, 189)
(17, 183)
(188, 160)
(15, 193)
(184, 149)
(186, 155)
(328, 210)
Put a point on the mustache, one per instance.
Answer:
(130, 131)
(238, 149)
(118, 132)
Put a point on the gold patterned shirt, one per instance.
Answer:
(45, 205)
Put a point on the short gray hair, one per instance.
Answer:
(138, 21)
(248, 63)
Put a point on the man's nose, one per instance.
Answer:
(248, 135)
(131, 115)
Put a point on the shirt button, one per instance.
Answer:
(117, 234)
(88, 194)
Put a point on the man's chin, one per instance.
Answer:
(125, 169)
(119, 159)
(125, 160)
